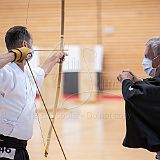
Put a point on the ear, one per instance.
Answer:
(23, 43)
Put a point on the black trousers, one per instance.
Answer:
(7, 143)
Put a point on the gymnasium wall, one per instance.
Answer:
(121, 26)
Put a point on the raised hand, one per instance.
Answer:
(125, 75)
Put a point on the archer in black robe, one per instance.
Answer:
(142, 107)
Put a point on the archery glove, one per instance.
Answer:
(21, 54)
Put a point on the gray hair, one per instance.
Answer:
(154, 44)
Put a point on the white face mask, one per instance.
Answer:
(147, 67)
(33, 51)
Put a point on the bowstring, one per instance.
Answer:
(50, 119)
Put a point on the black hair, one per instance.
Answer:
(15, 35)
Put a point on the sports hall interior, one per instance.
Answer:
(103, 38)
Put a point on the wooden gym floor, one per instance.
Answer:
(88, 131)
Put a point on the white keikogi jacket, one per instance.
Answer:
(17, 96)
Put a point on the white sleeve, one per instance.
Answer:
(39, 75)
(6, 79)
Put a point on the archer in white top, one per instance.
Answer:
(17, 88)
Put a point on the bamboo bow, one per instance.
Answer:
(59, 78)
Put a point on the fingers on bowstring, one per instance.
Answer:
(29, 56)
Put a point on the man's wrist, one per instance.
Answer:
(125, 79)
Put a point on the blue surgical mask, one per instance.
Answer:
(147, 67)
